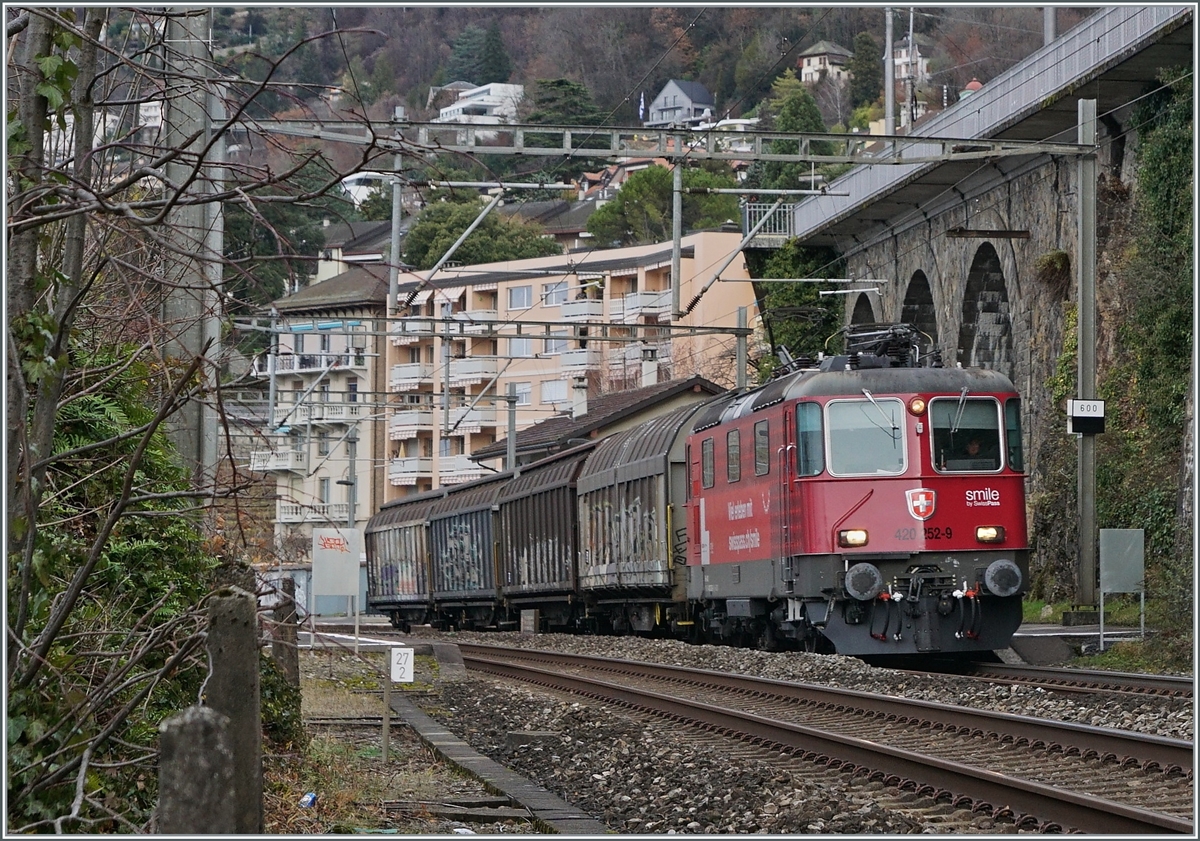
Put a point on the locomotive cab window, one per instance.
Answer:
(810, 437)
(733, 456)
(866, 437)
(1012, 433)
(966, 434)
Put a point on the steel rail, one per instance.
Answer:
(1053, 805)
(1140, 684)
(1149, 750)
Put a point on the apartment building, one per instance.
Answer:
(324, 442)
(556, 330)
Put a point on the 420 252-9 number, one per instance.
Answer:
(929, 533)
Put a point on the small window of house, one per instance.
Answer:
(706, 463)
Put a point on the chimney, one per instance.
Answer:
(579, 387)
(649, 365)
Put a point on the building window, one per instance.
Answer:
(762, 449)
(554, 391)
(325, 342)
(733, 455)
(323, 392)
(554, 294)
(322, 443)
(524, 393)
(323, 491)
(555, 346)
(520, 297)
(299, 343)
(520, 347)
(352, 390)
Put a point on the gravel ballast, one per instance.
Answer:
(639, 776)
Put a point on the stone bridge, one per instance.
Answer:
(980, 255)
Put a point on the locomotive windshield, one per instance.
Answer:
(866, 437)
(966, 434)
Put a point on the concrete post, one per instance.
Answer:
(232, 688)
(283, 646)
(1085, 269)
(195, 774)
(676, 229)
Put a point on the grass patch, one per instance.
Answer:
(1157, 654)
(1118, 610)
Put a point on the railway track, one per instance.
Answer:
(1086, 680)
(1059, 776)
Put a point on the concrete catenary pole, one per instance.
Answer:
(889, 76)
(1085, 270)
(187, 64)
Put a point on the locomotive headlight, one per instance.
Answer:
(989, 534)
(852, 537)
(916, 406)
(1002, 578)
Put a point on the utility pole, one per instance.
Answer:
(193, 234)
(911, 88)
(1085, 271)
(1049, 24)
(676, 226)
(889, 76)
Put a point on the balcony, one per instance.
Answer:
(476, 321)
(472, 370)
(406, 471)
(331, 512)
(579, 361)
(274, 461)
(458, 469)
(289, 512)
(637, 304)
(409, 376)
(581, 310)
(407, 423)
(317, 412)
(292, 363)
(409, 330)
(322, 413)
(464, 420)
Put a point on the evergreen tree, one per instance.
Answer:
(795, 111)
(563, 102)
(466, 54)
(866, 71)
(494, 62)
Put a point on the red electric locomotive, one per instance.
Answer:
(871, 505)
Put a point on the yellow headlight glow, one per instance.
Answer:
(989, 534)
(852, 537)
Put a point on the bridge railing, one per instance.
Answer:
(781, 224)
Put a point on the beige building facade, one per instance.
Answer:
(557, 331)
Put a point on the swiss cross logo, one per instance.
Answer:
(921, 502)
